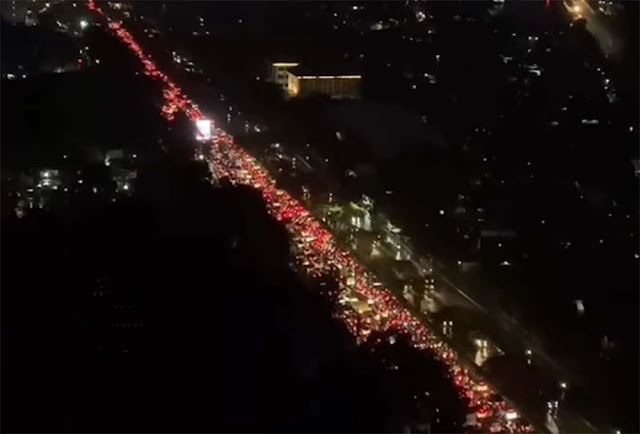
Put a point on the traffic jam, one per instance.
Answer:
(318, 253)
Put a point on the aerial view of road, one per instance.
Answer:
(425, 281)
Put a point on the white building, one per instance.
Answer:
(278, 73)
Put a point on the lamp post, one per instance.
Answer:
(563, 389)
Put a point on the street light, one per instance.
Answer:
(563, 389)
(84, 24)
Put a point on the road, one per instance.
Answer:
(320, 253)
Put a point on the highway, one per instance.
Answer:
(451, 295)
(367, 306)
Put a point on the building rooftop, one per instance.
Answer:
(306, 71)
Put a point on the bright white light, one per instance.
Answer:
(84, 24)
(563, 385)
(441, 212)
(511, 415)
(126, 186)
(204, 129)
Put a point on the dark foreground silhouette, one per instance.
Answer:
(177, 310)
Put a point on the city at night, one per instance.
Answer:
(415, 216)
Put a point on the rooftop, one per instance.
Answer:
(304, 71)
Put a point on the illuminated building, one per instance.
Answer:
(335, 86)
(49, 178)
(279, 72)
(298, 81)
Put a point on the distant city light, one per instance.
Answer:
(84, 24)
